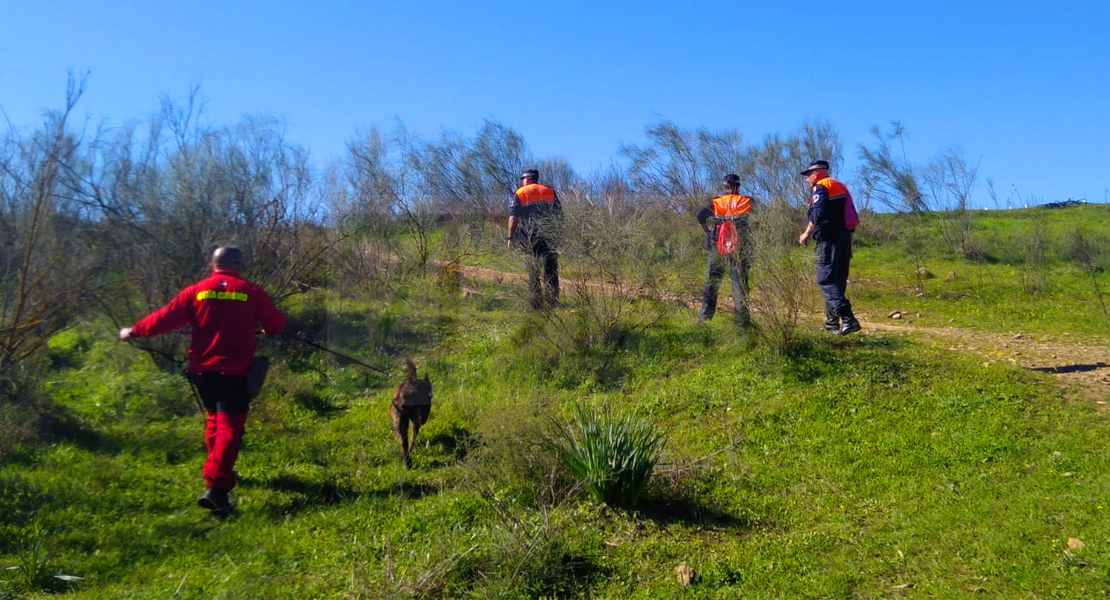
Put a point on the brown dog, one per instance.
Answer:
(412, 403)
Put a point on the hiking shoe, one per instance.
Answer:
(833, 326)
(216, 501)
(848, 327)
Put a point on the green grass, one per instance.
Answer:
(1005, 290)
(860, 467)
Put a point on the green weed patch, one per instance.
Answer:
(865, 466)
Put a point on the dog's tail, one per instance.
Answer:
(411, 367)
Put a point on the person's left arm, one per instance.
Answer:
(272, 319)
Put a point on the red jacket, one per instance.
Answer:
(223, 311)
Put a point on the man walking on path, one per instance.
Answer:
(832, 219)
(728, 249)
(532, 210)
(223, 310)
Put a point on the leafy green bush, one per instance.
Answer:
(612, 455)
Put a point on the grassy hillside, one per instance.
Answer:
(1018, 270)
(1022, 273)
(867, 466)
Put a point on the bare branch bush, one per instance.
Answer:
(1032, 246)
(681, 169)
(781, 273)
(470, 176)
(364, 194)
(166, 198)
(1089, 252)
(950, 180)
(781, 276)
(48, 260)
(893, 181)
(682, 166)
(612, 290)
(770, 169)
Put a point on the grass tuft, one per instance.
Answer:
(613, 456)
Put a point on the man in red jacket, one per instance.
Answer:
(223, 310)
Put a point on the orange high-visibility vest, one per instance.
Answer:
(731, 205)
(535, 192)
(836, 189)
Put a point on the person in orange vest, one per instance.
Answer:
(832, 219)
(223, 310)
(726, 241)
(533, 210)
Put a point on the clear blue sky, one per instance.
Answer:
(1024, 85)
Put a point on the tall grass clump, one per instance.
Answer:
(613, 456)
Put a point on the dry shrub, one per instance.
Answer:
(508, 451)
(608, 287)
(782, 276)
(18, 425)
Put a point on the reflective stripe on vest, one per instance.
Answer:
(731, 205)
(535, 192)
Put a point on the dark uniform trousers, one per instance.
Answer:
(541, 256)
(738, 267)
(831, 259)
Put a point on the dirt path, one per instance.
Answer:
(1079, 362)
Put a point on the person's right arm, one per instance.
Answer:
(514, 210)
(174, 315)
(703, 215)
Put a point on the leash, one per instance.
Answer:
(330, 351)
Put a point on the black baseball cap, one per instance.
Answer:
(815, 165)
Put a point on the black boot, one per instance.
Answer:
(851, 325)
(216, 501)
(832, 322)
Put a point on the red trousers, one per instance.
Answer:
(225, 398)
(223, 436)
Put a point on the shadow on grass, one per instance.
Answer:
(826, 355)
(406, 491)
(308, 494)
(319, 406)
(570, 575)
(454, 445)
(1071, 368)
(666, 511)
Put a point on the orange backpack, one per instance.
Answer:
(728, 238)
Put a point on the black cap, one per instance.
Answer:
(731, 179)
(815, 165)
(533, 173)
